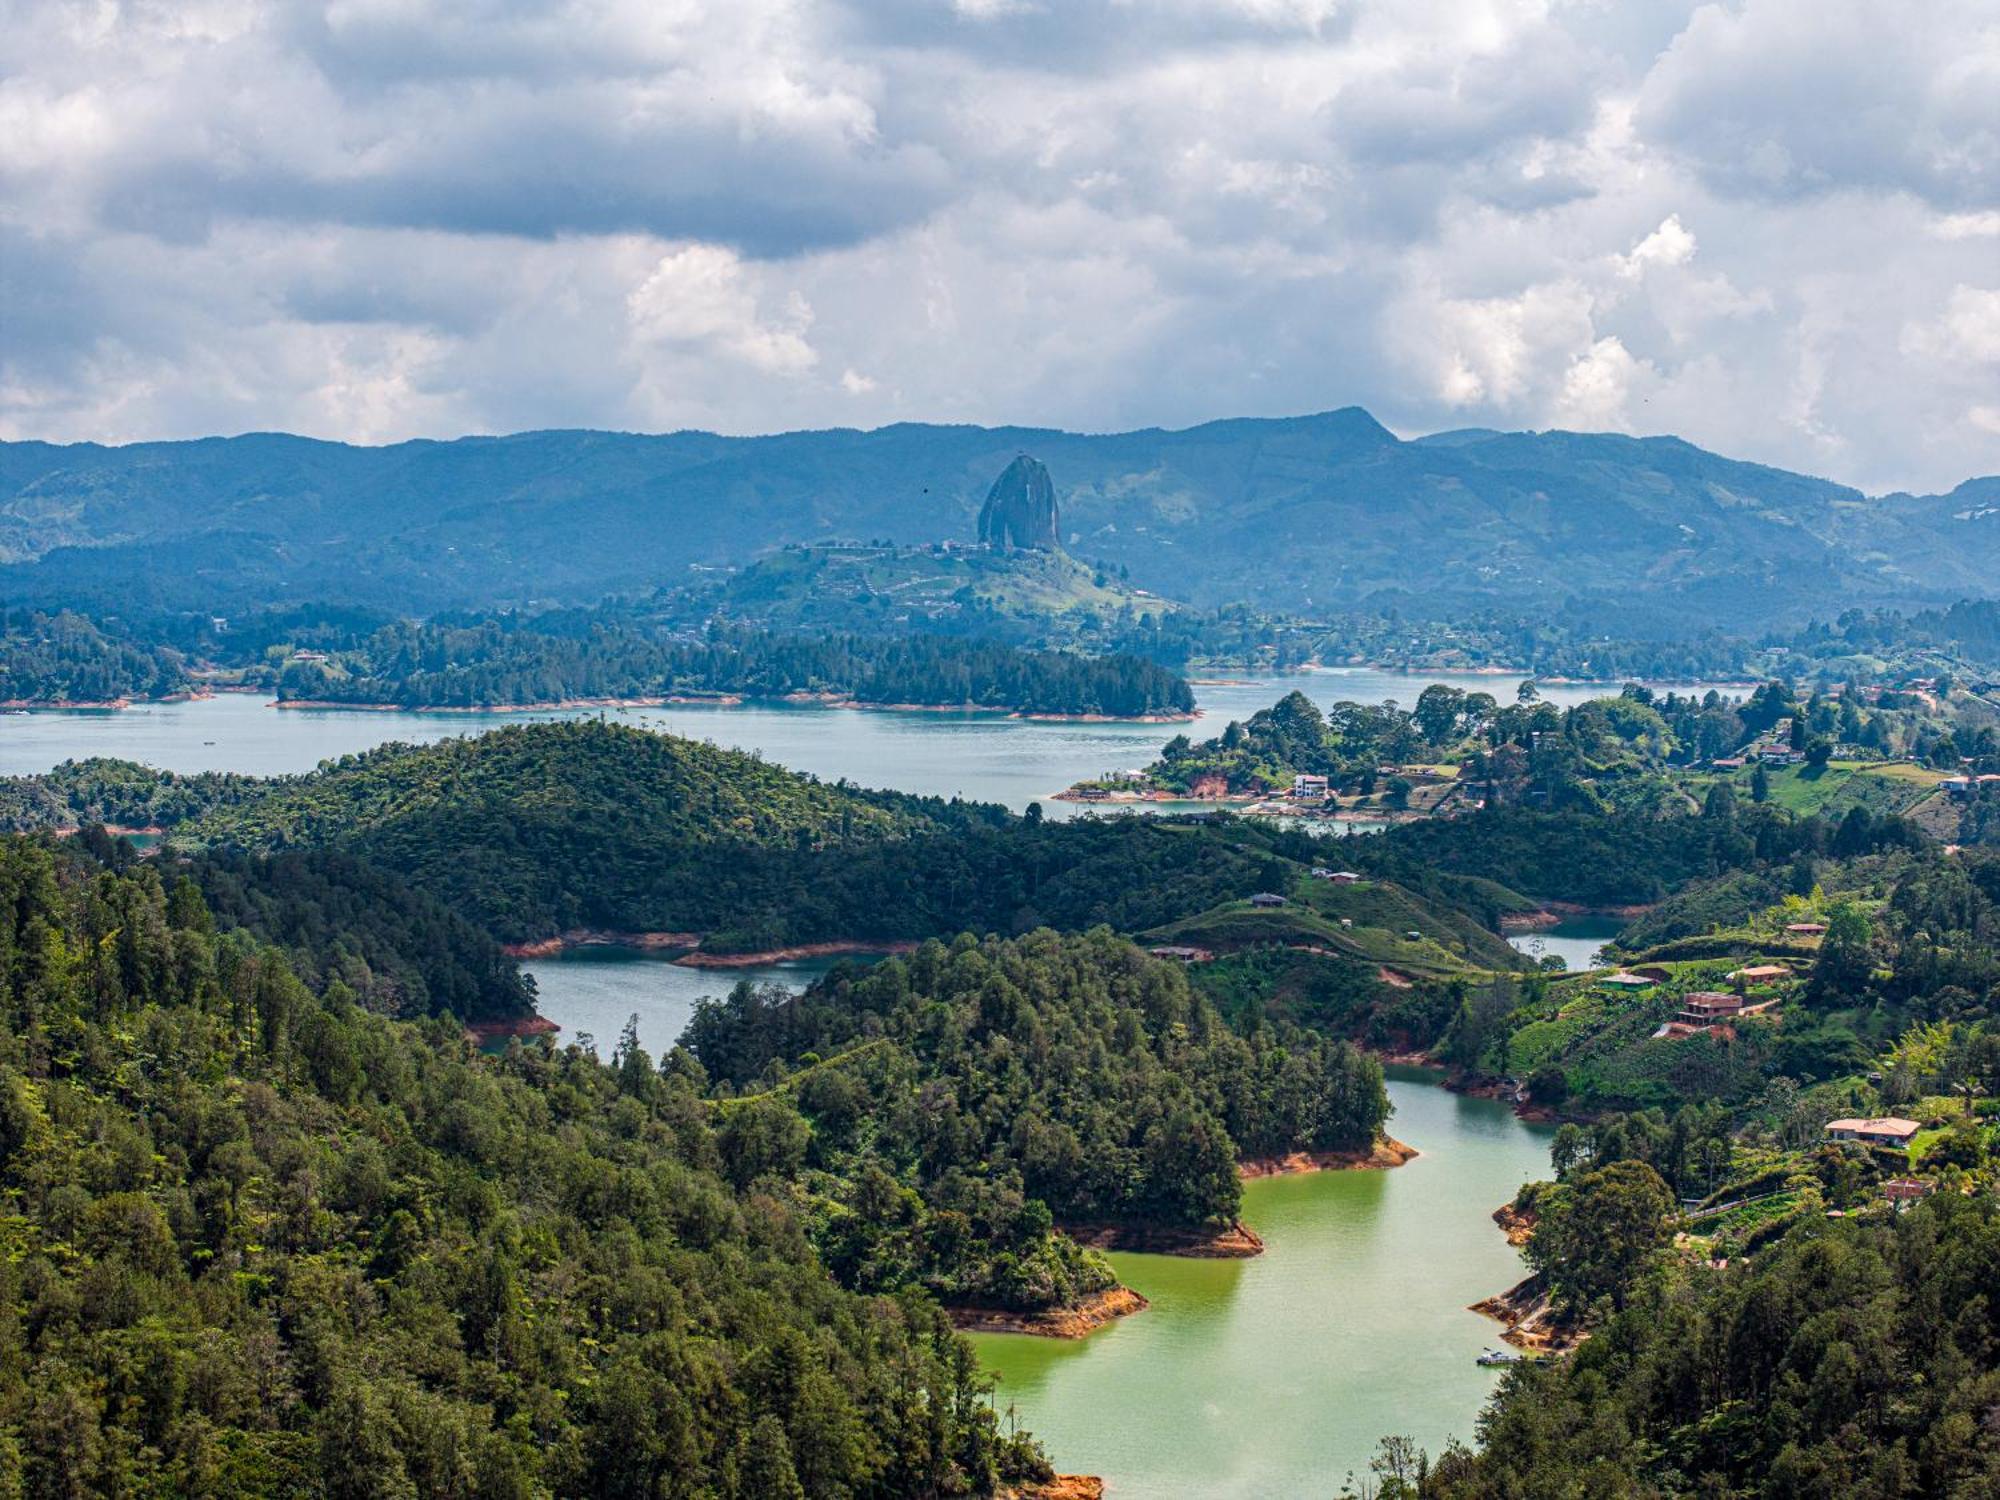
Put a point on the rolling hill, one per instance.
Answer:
(1301, 514)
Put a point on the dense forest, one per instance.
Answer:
(1846, 1358)
(400, 949)
(318, 653)
(262, 1241)
(538, 829)
(117, 793)
(502, 660)
(65, 658)
(1074, 1070)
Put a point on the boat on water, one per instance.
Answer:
(1500, 1357)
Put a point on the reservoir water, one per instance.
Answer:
(1274, 1376)
(596, 989)
(1269, 1377)
(985, 757)
(1575, 940)
(1277, 1376)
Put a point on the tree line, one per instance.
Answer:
(263, 1241)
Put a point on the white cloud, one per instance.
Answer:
(1669, 245)
(699, 298)
(380, 218)
(1984, 225)
(1597, 386)
(1967, 329)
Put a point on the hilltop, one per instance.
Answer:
(1309, 513)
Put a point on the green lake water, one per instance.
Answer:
(1276, 1376)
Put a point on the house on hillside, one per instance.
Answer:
(1704, 1009)
(1805, 929)
(1337, 877)
(1755, 974)
(1624, 981)
(1267, 898)
(1309, 788)
(1903, 1191)
(1183, 954)
(1882, 1130)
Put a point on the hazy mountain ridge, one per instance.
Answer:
(1303, 513)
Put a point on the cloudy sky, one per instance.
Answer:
(1772, 226)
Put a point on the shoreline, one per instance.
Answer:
(553, 705)
(517, 1026)
(1061, 1487)
(694, 957)
(720, 700)
(1089, 1315)
(1527, 1319)
(98, 705)
(836, 949)
(1234, 1241)
(599, 937)
(116, 830)
(1518, 1224)
(1385, 1155)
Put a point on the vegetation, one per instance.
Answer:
(260, 1241)
(1073, 1071)
(1851, 1357)
(65, 658)
(610, 654)
(1218, 513)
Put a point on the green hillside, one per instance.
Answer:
(259, 1241)
(859, 588)
(1326, 511)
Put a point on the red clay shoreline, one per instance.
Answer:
(725, 700)
(700, 960)
(1384, 1155)
(1089, 1315)
(694, 957)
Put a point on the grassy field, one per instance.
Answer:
(1879, 786)
(1239, 925)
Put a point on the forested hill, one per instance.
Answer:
(1848, 1358)
(260, 1241)
(602, 780)
(1313, 512)
(66, 658)
(491, 661)
(337, 654)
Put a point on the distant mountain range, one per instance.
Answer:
(1303, 514)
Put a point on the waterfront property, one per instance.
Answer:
(1883, 1130)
